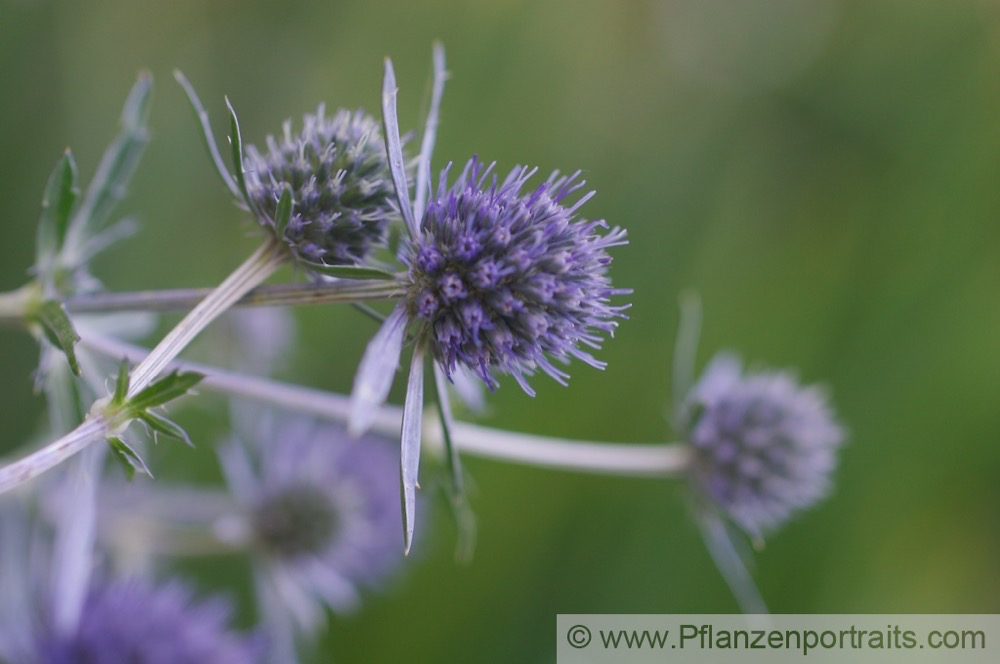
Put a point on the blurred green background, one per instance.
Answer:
(823, 173)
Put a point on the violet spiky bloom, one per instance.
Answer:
(135, 623)
(340, 183)
(498, 282)
(764, 446)
(322, 513)
(503, 281)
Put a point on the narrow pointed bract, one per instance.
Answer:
(722, 546)
(376, 371)
(394, 147)
(430, 133)
(410, 443)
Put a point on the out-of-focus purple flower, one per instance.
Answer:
(340, 182)
(503, 281)
(134, 623)
(322, 513)
(764, 446)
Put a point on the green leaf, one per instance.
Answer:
(61, 193)
(59, 331)
(118, 162)
(129, 458)
(206, 133)
(350, 271)
(163, 426)
(166, 389)
(236, 142)
(284, 212)
(121, 384)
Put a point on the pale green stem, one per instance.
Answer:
(143, 533)
(258, 267)
(637, 460)
(15, 305)
(261, 264)
(343, 291)
(94, 428)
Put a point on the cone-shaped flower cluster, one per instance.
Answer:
(340, 183)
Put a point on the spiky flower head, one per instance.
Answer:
(504, 281)
(340, 182)
(322, 511)
(135, 623)
(764, 446)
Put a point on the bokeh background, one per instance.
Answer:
(824, 173)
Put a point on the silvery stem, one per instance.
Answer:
(92, 429)
(258, 267)
(15, 304)
(184, 299)
(261, 264)
(637, 460)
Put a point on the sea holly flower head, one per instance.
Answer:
(138, 623)
(339, 179)
(503, 281)
(498, 282)
(764, 446)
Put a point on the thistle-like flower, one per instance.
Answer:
(320, 512)
(499, 282)
(140, 624)
(340, 183)
(764, 446)
(503, 282)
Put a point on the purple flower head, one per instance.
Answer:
(764, 446)
(340, 183)
(322, 511)
(503, 282)
(135, 623)
(498, 282)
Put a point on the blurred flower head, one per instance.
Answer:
(503, 281)
(138, 623)
(764, 446)
(322, 513)
(340, 182)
